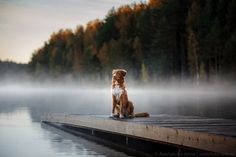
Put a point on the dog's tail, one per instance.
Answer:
(142, 114)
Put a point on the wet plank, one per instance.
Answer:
(210, 134)
(218, 126)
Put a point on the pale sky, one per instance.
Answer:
(26, 24)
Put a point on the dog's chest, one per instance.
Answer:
(117, 92)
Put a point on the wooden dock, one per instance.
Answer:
(198, 134)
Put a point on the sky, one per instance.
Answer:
(26, 24)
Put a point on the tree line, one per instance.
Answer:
(8, 69)
(154, 40)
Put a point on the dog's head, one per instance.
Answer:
(119, 75)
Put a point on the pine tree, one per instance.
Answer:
(193, 55)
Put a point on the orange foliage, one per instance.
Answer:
(155, 3)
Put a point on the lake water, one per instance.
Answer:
(22, 134)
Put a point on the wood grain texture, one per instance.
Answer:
(209, 134)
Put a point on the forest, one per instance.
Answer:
(155, 40)
(8, 69)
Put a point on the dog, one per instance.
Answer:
(121, 106)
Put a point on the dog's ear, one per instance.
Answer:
(114, 71)
(124, 72)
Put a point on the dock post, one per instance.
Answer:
(126, 140)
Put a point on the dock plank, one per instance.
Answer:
(210, 134)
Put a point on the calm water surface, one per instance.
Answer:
(22, 134)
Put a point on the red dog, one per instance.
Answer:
(121, 106)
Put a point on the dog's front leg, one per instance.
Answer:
(114, 103)
(121, 107)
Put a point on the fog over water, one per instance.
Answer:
(23, 104)
(22, 134)
(202, 100)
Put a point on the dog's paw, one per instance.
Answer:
(122, 116)
(131, 116)
(114, 116)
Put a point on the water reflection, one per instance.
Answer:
(66, 142)
(21, 109)
(19, 136)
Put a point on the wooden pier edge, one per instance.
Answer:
(197, 140)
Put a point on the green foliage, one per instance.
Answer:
(193, 54)
(155, 40)
(210, 22)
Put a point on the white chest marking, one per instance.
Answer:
(117, 91)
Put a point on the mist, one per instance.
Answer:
(85, 97)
